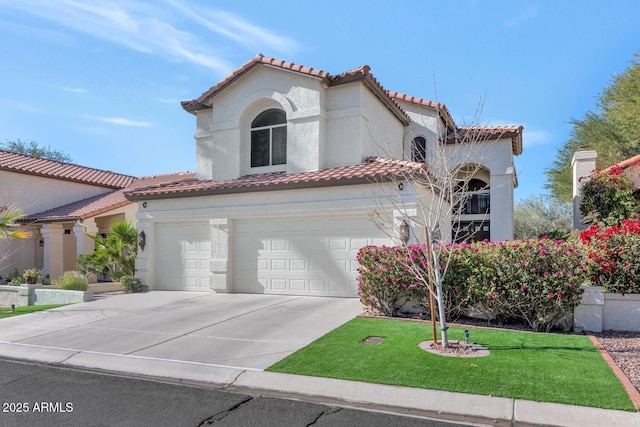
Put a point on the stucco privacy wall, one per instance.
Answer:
(217, 215)
(24, 295)
(600, 311)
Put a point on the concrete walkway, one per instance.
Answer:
(226, 340)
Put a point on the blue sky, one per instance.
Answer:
(103, 81)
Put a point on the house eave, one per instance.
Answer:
(257, 189)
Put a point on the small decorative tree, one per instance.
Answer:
(428, 189)
(116, 253)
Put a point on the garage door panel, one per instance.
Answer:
(302, 257)
(183, 252)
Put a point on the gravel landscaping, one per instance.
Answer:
(624, 348)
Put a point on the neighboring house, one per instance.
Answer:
(62, 203)
(291, 162)
(630, 169)
(584, 164)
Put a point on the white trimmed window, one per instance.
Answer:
(269, 138)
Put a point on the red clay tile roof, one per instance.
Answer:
(363, 74)
(631, 169)
(488, 133)
(445, 116)
(21, 163)
(96, 205)
(358, 74)
(374, 169)
(201, 102)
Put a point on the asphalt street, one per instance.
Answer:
(40, 395)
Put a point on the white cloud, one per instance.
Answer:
(74, 89)
(121, 121)
(235, 28)
(168, 101)
(152, 28)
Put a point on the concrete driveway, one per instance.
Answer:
(224, 330)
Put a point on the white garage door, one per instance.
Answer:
(302, 256)
(183, 252)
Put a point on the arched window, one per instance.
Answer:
(419, 149)
(269, 138)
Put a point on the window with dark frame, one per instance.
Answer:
(269, 138)
(476, 197)
(419, 149)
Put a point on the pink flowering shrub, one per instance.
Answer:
(386, 281)
(532, 282)
(613, 256)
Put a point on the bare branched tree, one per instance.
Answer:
(429, 195)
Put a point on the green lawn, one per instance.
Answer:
(542, 367)
(6, 311)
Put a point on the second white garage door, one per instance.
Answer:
(314, 256)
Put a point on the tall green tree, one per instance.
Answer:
(541, 215)
(32, 148)
(613, 130)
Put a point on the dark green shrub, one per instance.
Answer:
(130, 284)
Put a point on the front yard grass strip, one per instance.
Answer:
(6, 311)
(559, 368)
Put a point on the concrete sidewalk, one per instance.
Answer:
(226, 341)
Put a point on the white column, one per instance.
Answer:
(501, 216)
(84, 243)
(583, 163)
(53, 250)
(220, 276)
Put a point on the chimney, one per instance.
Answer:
(583, 164)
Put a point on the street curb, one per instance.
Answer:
(633, 393)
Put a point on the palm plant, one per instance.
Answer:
(8, 227)
(116, 252)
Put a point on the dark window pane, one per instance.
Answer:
(279, 145)
(419, 149)
(269, 118)
(260, 148)
(477, 185)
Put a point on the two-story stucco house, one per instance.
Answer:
(290, 161)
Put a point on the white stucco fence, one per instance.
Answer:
(37, 295)
(600, 311)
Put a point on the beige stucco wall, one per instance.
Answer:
(36, 194)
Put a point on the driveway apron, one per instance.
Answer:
(247, 331)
